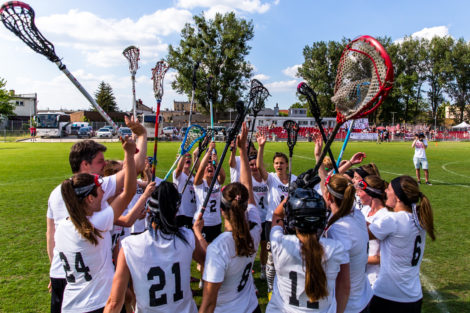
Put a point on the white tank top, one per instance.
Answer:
(160, 269)
(89, 269)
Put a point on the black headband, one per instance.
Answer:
(252, 157)
(361, 172)
(399, 191)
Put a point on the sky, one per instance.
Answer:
(89, 37)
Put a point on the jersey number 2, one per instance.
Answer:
(79, 267)
(157, 271)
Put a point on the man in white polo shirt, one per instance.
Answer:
(421, 144)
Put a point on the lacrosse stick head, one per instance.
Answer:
(363, 80)
(205, 141)
(132, 54)
(194, 134)
(292, 129)
(18, 17)
(259, 97)
(233, 131)
(311, 96)
(158, 73)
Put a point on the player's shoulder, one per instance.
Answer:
(56, 193)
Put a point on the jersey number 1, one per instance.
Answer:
(293, 293)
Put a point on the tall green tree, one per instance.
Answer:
(6, 108)
(105, 98)
(319, 71)
(458, 86)
(221, 46)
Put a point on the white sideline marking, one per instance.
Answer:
(444, 167)
(434, 294)
(398, 174)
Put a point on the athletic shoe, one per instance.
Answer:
(269, 295)
(428, 183)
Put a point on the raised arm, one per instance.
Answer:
(221, 177)
(179, 168)
(138, 210)
(357, 158)
(200, 171)
(233, 153)
(261, 139)
(120, 203)
(245, 172)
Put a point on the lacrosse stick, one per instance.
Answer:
(345, 143)
(193, 91)
(18, 17)
(363, 81)
(158, 73)
(132, 53)
(194, 133)
(259, 95)
(211, 100)
(292, 129)
(311, 96)
(232, 133)
(202, 146)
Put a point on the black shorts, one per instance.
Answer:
(57, 293)
(267, 230)
(382, 305)
(184, 221)
(263, 231)
(211, 232)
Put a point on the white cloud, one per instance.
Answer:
(428, 33)
(282, 86)
(261, 77)
(223, 6)
(291, 71)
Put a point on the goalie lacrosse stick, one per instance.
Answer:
(311, 96)
(232, 133)
(132, 53)
(158, 73)
(193, 91)
(258, 95)
(202, 146)
(292, 129)
(18, 17)
(363, 80)
(194, 133)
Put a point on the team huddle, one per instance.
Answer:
(120, 241)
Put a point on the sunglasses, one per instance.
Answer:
(84, 191)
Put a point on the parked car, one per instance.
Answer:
(170, 130)
(123, 131)
(85, 132)
(104, 132)
(111, 129)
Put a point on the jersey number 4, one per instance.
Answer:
(157, 271)
(293, 293)
(79, 267)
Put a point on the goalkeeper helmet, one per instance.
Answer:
(305, 211)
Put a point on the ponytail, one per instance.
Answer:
(234, 203)
(425, 215)
(76, 206)
(315, 277)
(339, 186)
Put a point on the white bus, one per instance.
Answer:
(53, 124)
(148, 120)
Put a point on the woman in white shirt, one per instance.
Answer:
(307, 264)
(371, 191)
(83, 241)
(348, 226)
(228, 283)
(159, 259)
(402, 235)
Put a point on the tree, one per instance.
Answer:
(319, 70)
(105, 98)
(220, 45)
(6, 108)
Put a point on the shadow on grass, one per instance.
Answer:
(454, 298)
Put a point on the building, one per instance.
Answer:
(25, 105)
(453, 112)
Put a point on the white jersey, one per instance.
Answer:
(160, 269)
(237, 292)
(372, 270)
(188, 199)
(351, 230)
(140, 225)
(212, 213)
(57, 211)
(235, 171)
(277, 192)
(420, 149)
(260, 195)
(89, 269)
(401, 252)
(290, 274)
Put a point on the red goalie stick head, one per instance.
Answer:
(363, 80)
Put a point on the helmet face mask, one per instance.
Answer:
(305, 211)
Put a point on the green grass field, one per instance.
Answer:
(29, 172)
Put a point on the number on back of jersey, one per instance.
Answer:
(156, 273)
